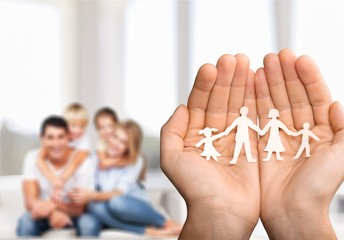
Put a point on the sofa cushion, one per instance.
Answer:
(8, 222)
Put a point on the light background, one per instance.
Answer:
(140, 56)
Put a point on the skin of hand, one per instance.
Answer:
(42, 209)
(296, 194)
(80, 196)
(57, 194)
(223, 200)
(59, 220)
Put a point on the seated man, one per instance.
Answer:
(42, 212)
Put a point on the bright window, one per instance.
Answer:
(221, 27)
(318, 27)
(150, 89)
(30, 62)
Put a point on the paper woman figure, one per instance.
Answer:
(243, 123)
(274, 142)
(306, 133)
(209, 149)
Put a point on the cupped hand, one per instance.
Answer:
(42, 209)
(296, 194)
(223, 200)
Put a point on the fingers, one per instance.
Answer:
(300, 104)
(41, 211)
(172, 136)
(277, 88)
(36, 213)
(264, 101)
(337, 122)
(237, 89)
(250, 97)
(217, 105)
(317, 90)
(199, 96)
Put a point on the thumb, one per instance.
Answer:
(337, 122)
(172, 136)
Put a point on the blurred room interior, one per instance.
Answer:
(140, 58)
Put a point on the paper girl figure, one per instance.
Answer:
(306, 133)
(243, 123)
(209, 149)
(274, 142)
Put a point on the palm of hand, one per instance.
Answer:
(299, 184)
(210, 184)
(237, 187)
(292, 182)
(294, 87)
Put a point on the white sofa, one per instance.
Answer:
(161, 193)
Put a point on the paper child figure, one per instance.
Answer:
(243, 123)
(274, 142)
(306, 133)
(209, 149)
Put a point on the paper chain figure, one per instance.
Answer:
(243, 123)
(274, 142)
(209, 149)
(242, 135)
(306, 133)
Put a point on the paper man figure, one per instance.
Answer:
(209, 149)
(274, 142)
(243, 123)
(306, 133)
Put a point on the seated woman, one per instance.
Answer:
(121, 201)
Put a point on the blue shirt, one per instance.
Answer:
(124, 179)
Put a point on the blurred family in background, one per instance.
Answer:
(69, 183)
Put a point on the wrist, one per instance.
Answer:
(301, 224)
(205, 223)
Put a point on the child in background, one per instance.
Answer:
(105, 122)
(77, 118)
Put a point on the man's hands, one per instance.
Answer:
(223, 201)
(42, 209)
(296, 194)
(48, 209)
(291, 196)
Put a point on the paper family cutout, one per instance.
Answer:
(243, 123)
